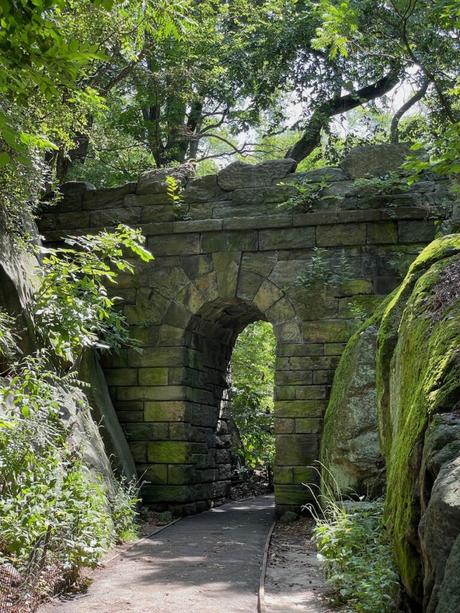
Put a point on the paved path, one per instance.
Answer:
(207, 563)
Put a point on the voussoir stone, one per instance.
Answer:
(240, 175)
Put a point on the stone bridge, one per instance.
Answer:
(230, 254)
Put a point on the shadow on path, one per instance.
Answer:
(207, 563)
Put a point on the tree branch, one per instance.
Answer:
(394, 131)
(336, 105)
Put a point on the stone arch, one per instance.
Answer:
(229, 254)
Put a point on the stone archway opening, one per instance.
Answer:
(211, 334)
(251, 407)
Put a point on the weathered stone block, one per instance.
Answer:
(296, 449)
(166, 411)
(229, 241)
(169, 452)
(292, 495)
(374, 160)
(341, 235)
(240, 175)
(202, 189)
(267, 295)
(112, 217)
(286, 238)
(308, 425)
(283, 474)
(180, 474)
(121, 376)
(383, 232)
(416, 231)
(327, 331)
(284, 426)
(293, 377)
(174, 245)
(300, 349)
(146, 432)
(299, 408)
(155, 473)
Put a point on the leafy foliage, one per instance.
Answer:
(56, 516)
(252, 370)
(321, 268)
(73, 308)
(356, 555)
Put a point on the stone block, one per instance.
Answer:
(138, 451)
(154, 181)
(240, 175)
(180, 431)
(416, 231)
(169, 493)
(202, 189)
(296, 449)
(154, 473)
(284, 425)
(226, 266)
(292, 495)
(382, 233)
(262, 221)
(109, 197)
(146, 432)
(258, 263)
(229, 241)
(374, 160)
(352, 287)
(306, 363)
(308, 425)
(267, 295)
(174, 245)
(180, 474)
(305, 474)
(286, 238)
(70, 221)
(327, 331)
(280, 311)
(198, 225)
(323, 377)
(293, 377)
(157, 214)
(169, 452)
(283, 474)
(121, 376)
(299, 408)
(300, 392)
(126, 417)
(248, 285)
(159, 392)
(334, 348)
(300, 349)
(169, 411)
(341, 235)
(112, 217)
(320, 174)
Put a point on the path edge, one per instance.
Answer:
(263, 571)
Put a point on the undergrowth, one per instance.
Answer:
(57, 513)
(355, 551)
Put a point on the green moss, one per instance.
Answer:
(418, 363)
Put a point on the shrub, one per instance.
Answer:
(354, 548)
(73, 308)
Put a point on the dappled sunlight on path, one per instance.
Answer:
(207, 563)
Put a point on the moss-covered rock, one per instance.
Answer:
(418, 376)
(350, 450)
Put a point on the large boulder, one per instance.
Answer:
(418, 377)
(350, 449)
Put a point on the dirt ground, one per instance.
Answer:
(294, 581)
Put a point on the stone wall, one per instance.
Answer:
(228, 256)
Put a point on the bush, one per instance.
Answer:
(56, 517)
(354, 548)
